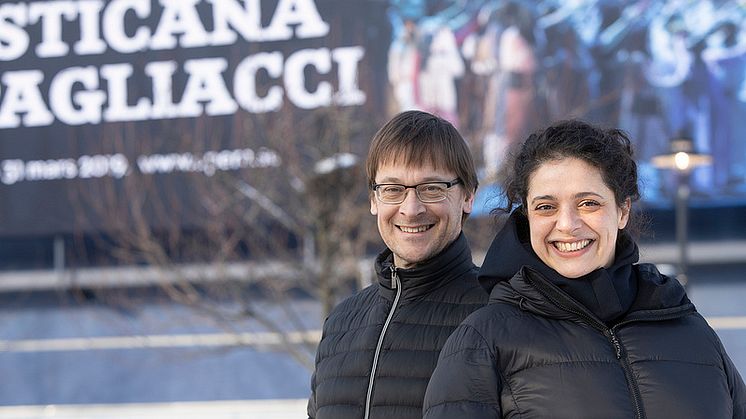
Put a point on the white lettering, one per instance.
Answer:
(247, 21)
(50, 14)
(208, 163)
(86, 166)
(113, 25)
(12, 171)
(295, 80)
(296, 12)
(347, 60)
(179, 16)
(89, 102)
(161, 72)
(90, 37)
(244, 82)
(50, 169)
(14, 40)
(114, 92)
(23, 96)
(207, 85)
(102, 25)
(116, 76)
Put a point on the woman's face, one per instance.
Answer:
(573, 217)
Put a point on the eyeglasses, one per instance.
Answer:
(427, 192)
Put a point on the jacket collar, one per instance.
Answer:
(514, 273)
(453, 262)
(659, 297)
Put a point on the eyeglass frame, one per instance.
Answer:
(449, 185)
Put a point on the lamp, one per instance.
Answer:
(682, 159)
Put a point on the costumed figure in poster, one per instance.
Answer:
(404, 66)
(516, 111)
(441, 67)
(725, 57)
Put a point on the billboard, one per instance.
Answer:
(93, 93)
(659, 69)
(102, 99)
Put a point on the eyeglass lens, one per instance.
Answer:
(426, 192)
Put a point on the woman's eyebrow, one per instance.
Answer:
(542, 198)
(576, 196)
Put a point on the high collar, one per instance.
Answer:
(606, 292)
(514, 274)
(453, 262)
(659, 298)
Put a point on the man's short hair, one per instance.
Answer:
(417, 138)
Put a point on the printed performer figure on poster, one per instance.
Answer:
(516, 108)
(441, 67)
(404, 66)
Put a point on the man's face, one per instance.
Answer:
(414, 231)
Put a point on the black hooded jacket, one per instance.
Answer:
(620, 342)
(393, 331)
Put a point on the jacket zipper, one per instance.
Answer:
(613, 339)
(396, 284)
(622, 358)
(621, 355)
(611, 334)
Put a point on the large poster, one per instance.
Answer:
(659, 69)
(96, 94)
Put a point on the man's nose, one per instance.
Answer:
(411, 204)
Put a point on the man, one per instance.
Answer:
(380, 346)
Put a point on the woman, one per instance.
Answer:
(575, 328)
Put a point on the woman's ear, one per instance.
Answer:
(624, 210)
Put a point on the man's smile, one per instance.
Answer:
(415, 229)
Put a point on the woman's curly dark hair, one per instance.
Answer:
(610, 150)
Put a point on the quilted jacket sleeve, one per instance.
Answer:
(465, 383)
(736, 386)
(311, 409)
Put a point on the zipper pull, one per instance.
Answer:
(617, 345)
(394, 282)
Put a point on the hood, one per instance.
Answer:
(514, 273)
(509, 252)
(657, 291)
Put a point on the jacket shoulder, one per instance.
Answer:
(464, 289)
(497, 318)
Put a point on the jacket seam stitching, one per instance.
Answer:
(447, 402)
(568, 362)
(680, 361)
(500, 372)
(512, 393)
(492, 355)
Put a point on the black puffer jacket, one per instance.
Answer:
(536, 352)
(410, 315)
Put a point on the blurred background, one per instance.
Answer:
(182, 197)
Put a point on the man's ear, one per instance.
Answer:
(373, 206)
(469, 203)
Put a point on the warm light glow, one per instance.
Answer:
(681, 159)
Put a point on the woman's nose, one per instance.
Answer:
(568, 220)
